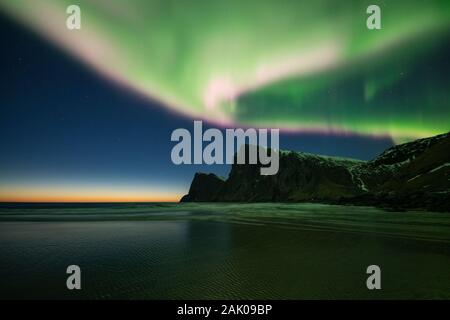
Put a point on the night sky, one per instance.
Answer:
(73, 128)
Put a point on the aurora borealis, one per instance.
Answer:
(305, 66)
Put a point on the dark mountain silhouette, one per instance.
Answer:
(413, 175)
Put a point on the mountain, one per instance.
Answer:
(204, 187)
(407, 176)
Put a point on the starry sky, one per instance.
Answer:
(87, 115)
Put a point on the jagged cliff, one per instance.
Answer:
(410, 175)
(204, 187)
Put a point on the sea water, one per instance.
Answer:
(221, 251)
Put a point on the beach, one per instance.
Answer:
(222, 251)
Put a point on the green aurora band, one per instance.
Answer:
(294, 65)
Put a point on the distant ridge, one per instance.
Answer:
(413, 175)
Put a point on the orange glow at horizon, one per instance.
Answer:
(64, 194)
